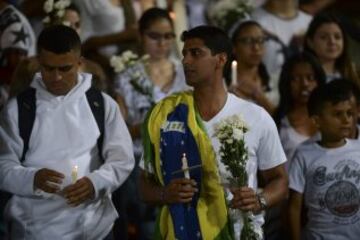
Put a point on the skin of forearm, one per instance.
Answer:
(294, 215)
(277, 187)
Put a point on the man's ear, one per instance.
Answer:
(222, 59)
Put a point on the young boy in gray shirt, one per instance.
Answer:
(324, 176)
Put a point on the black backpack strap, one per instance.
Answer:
(96, 102)
(27, 112)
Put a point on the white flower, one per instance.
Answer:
(46, 19)
(238, 134)
(127, 55)
(62, 4)
(229, 141)
(66, 23)
(117, 63)
(48, 6)
(60, 13)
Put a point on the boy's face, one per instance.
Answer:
(335, 121)
(59, 71)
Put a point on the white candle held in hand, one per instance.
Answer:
(234, 73)
(74, 173)
(185, 166)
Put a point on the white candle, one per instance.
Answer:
(74, 173)
(185, 166)
(234, 73)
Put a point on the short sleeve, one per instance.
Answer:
(297, 173)
(270, 152)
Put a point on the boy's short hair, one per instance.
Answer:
(336, 91)
(214, 38)
(59, 39)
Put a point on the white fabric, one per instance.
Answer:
(262, 140)
(284, 29)
(290, 139)
(138, 104)
(13, 24)
(329, 181)
(99, 18)
(64, 135)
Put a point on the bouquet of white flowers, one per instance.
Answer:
(55, 11)
(234, 155)
(225, 13)
(131, 62)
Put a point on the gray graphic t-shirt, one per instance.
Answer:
(329, 180)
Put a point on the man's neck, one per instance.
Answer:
(282, 8)
(209, 100)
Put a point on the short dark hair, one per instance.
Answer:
(59, 39)
(151, 15)
(214, 38)
(334, 92)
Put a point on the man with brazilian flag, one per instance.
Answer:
(193, 201)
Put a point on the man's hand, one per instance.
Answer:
(48, 180)
(79, 192)
(180, 191)
(245, 199)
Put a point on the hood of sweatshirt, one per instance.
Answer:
(83, 84)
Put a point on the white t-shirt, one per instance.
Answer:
(284, 29)
(262, 141)
(290, 138)
(329, 181)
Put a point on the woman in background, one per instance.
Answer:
(299, 76)
(327, 40)
(141, 83)
(252, 80)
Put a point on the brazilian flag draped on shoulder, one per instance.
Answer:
(172, 128)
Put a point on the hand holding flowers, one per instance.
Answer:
(234, 155)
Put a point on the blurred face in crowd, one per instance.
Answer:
(249, 47)
(158, 39)
(327, 42)
(303, 82)
(59, 71)
(73, 18)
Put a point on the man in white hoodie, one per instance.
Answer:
(62, 187)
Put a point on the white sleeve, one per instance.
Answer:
(117, 152)
(14, 177)
(270, 152)
(297, 173)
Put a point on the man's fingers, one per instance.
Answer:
(54, 179)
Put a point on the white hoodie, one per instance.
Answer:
(64, 135)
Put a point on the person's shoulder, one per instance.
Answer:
(304, 16)
(248, 108)
(259, 13)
